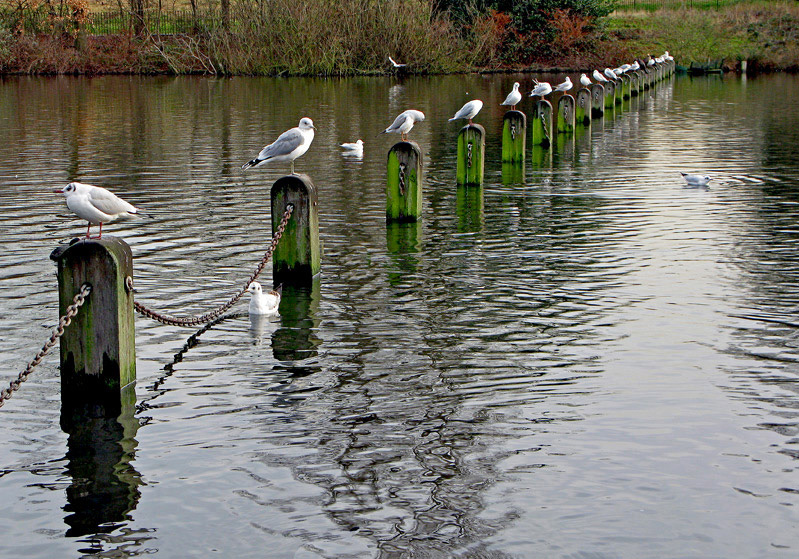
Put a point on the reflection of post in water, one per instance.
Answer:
(100, 451)
(564, 147)
(469, 208)
(402, 241)
(295, 337)
(513, 173)
(540, 156)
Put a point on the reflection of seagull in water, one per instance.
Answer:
(469, 110)
(96, 204)
(696, 180)
(513, 98)
(289, 146)
(264, 303)
(404, 122)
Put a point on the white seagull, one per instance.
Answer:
(354, 148)
(610, 74)
(469, 110)
(564, 86)
(513, 98)
(263, 303)
(696, 180)
(396, 64)
(585, 80)
(96, 205)
(289, 146)
(541, 89)
(599, 77)
(635, 66)
(404, 122)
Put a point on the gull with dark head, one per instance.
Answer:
(404, 122)
(513, 98)
(290, 145)
(96, 205)
(469, 110)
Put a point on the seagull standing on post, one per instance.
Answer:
(542, 89)
(599, 77)
(290, 145)
(96, 205)
(585, 80)
(404, 122)
(564, 86)
(513, 97)
(610, 74)
(469, 110)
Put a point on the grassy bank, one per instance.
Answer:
(347, 37)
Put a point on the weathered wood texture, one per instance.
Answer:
(98, 350)
(471, 155)
(514, 137)
(404, 182)
(542, 124)
(582, 109)
(597, 100)
(566, 114)
(610, 94)
(297, 258)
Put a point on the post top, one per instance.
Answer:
(109, 242)
(473, 126)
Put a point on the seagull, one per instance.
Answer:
(541, 89)
(404, 122)
(513, 98)
(396, 64)
(696, 180)
(469, 110)
(564, 86)
(355, 148)
(96, 205)
(625, 68)
(635, 66)
(610, 74)
(585, 80)
(289, 146)
(599, 77)
(264, 303)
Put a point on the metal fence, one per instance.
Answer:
(674, 4)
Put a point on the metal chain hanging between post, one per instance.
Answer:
(469, 155)
(513, 131)
(402, 168)
(65, 321)
(208, 317)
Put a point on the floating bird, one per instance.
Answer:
(565, 85)
(599, 77)
(264, 303)
(354, 148)
(404, 122)
(289, 146)
(541, 89)
(469, 110)
(513, 97)
(585, 80)
(610, 74)
(696, 180)
(396, 64)
(96, 205)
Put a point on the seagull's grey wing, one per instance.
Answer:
(109, 203)
(287, 142)
(398, 122)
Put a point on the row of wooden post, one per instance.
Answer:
(98, 358)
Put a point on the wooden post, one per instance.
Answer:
(597, 100)
(633, 83)
(471, 154)
(610, 94)
(404, 182)
(566, 114)
(514, 137)
(582, 109)
(542, 124)
(98, 350)
(297, 258)
(619, 92)
(626, 88)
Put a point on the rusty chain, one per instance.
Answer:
(208, 317)
(402, 168)
(513, 131)
(65, 321)
(469, 155)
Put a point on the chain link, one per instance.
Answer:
(402, 168)
(512, 130)
(208, 317)
(65, 321)
(469, 155)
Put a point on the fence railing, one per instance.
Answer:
(657, 4)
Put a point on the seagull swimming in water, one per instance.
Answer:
(541, 89)
(696, 180)
(264, 303)
(354, 148)
(96, 205)
(513, 98)
(469, 110)
(599, 77)
(290, 145)
(585, 80)
(404, 122)
(564, 86)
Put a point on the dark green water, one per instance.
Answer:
(594, 361)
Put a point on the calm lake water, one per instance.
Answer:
(593, 361)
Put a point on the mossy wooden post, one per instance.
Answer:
(297, 257)
(597, 100)
(618, 92)
(542, 124)
(633, 83)
(610, 95)
(566, 114)
(643, 84)
(404, 182)
(582, 107)
(471, 155)
(98, 350)
(514, 137)
(626, 88)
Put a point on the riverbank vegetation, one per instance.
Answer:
(348, 37)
